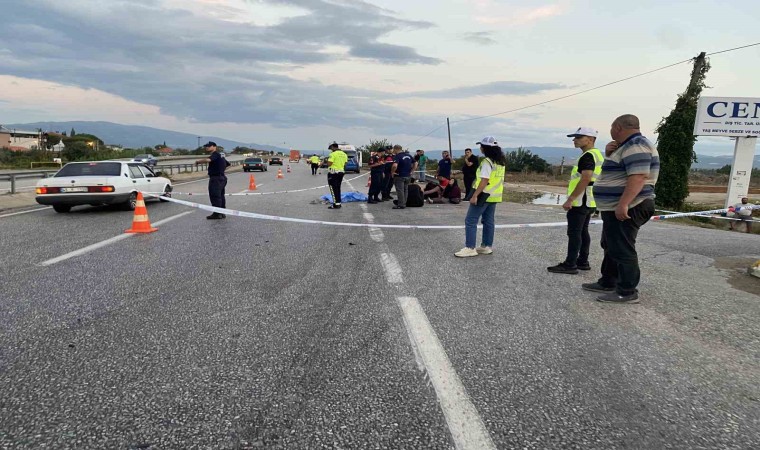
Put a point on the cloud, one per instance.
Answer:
(518, 88)
(491, 13)
(480, 37)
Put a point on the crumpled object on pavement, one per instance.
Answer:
(346, 197)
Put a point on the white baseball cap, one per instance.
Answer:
(584, 131)
(488, 140)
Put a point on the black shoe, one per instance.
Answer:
(333, 207)
(398, 207)
(214, 216)
(371, 202)
(614, 297)
(395, 202)
(596, 287)
(224, 216)
(583, 266)
(562, 268)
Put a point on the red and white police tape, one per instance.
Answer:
(233, 212)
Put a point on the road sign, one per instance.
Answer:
(728, 116)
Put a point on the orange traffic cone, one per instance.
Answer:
(279, 173)
(252, 184)
(140, 222)
(288, 168)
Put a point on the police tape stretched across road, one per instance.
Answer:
(251, 215)
(243, 194)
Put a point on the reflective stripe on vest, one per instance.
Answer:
(495, 185)
(575, 178)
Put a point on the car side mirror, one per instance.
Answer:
(158, 173)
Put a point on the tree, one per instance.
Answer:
(675, 142)
(373, 146)
(73, 133)
(725, 170)
(76, 150)
(522, 160)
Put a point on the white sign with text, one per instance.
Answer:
(728, 116)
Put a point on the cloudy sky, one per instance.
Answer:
(302, 73)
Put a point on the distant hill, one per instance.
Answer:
(133, 136)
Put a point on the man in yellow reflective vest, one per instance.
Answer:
(314, 161)
(580, 202)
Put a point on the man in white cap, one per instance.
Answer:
(580, 202)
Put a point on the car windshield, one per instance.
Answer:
(108, 169)
(253, 160)
(350, 153)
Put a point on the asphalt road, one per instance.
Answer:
(247, 333)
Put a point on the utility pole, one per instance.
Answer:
(199, 142)
(449, 128)
(699, 64)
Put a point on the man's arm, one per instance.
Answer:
(393, 169)
(633, 186)
(579, 189)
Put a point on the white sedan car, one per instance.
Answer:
(99, 183)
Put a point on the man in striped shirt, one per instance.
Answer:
(624, 194)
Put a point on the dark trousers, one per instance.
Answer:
(216, 185)
(620, 267)
(375, 185)
(387, 184)
(469, 190)
(578, 237)
(314, 168)
(334, 180)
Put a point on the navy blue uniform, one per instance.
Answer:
(387, 181)
(217, 181)
(444, 168)
(376, 178)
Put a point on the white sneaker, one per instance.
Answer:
(466, 253)
(484, 250)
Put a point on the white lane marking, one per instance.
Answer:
(392, 268)
(107, 242)
(376, 234)
(25, 212)
(465, 424)
(369, 217)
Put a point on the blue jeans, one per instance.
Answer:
(471, 224)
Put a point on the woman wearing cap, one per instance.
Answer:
(489, 185)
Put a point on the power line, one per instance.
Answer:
(423, 137)
(735, 48)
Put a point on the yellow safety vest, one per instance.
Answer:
(495, 186)
(575, 178)
(314, 159)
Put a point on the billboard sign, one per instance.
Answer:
(728, 116)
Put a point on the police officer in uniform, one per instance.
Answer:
(387, 178)
(336, 164)
(314, 161)
(580, 204)
(217, 181)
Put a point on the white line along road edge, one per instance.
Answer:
(467, 428)
(100, 244)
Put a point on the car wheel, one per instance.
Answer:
(62, 208)
(130, 204)
(167, 193)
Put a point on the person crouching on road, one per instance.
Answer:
(376, 168)
(401, 172)
(489, 185)
(217, 181)
(580, 202)
(336, 164)
(314, 161)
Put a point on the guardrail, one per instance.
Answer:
(188, 167)
(13, 176)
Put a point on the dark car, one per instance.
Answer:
(275, 160)
(251, 164)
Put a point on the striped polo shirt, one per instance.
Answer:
(635, 156)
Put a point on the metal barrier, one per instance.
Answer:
(187, 168)
(18, 175)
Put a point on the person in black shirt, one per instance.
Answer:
(376, 167)
(469, 168)
(217, 181)
(387, 179)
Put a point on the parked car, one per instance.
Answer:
(147, 159)
(100, 183)
(275, 160)
(251, 164)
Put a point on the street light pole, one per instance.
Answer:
(199, 142)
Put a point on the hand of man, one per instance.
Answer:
(621, 212)
(474, 200)
(611, 147)
(568, 204)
